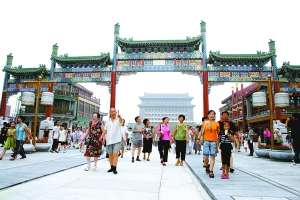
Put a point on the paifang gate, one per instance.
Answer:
(188, 56)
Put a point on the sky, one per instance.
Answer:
(86, 28)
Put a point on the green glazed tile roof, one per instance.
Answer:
(17, 71)
(104, 57)
(286, 68)
(124, 43)
(290, 72)
(259, 56)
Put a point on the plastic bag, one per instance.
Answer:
(173, 148)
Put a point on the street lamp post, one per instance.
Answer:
(270, 82)
(39, 81)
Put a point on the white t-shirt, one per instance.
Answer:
(113, 129)
(124, 131)
(55, 131)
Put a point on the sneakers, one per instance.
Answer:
(56, 151)
(87, 168)
(132, 160)
(223, 176)
(137, 159)
(51, 151)
(231, 170)
(23, 157)
(95, 168)
(64, 151)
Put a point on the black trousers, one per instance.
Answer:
(226, 153)
(19, 149)
(163, 147)
(180, 149)
(296, 147)
(54, 145)
(250, 146)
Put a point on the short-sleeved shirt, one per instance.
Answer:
(113, 128)
(55, 131)
(137, 135)
(180, 132)
(124, 131)
(211, 132)
(20, 132)
(250, 134)
(166, 129)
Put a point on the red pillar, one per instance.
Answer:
(205, 93)
(237, 99)
(49, 108)
(3, 105)
(232, 102)
(113, 90)
(278, 115)
(243, 108)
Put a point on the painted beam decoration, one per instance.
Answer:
(74, 77)
(171, 55)
(24, 87)
(240, 76)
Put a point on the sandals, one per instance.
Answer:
(87, 168)
(211, 174)
(207, 170)
(177, 163)
(12, 158)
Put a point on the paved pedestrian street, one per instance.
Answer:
(46, 175)
(141, 180)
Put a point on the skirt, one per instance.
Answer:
(147, 145)
(10, 143)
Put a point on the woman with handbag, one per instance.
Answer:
(210, 131)
(164, 144)
(93, 142)
(181, 138)
(147, 140)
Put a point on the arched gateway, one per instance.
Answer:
(184, 56)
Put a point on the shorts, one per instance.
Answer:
(112, 148)
(123, 144)
(137, 143)
(209, 148)
(62, 142)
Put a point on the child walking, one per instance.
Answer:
(82, 140)
(10, 141)
(227, 137)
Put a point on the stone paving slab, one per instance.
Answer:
(253, 178)
(139, 180)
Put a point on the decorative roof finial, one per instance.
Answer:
(203, 26)
(54, 50)
(117, 29)
(272, 47)
(9, 59)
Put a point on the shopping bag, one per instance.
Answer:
(173, 147)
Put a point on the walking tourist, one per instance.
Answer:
(10, 141)
(77, 137)
(277, 137)
(245, 142)
(210, 145)
(129, 138)
(94, 140)
(137, 139)
(82, 140)
(3, 133)
(124, 131)
(256, 140)
(190, 143)
(21, 132)
(69, 138)
(46, 133)
(294, 124)
(147, 140)
(197, 145)
(113, 135)
(181, 137)
(164, 131)
(55, 135)
(232, 128)
(250, 139)
(227, 137)
(267, 135)
(62, 139)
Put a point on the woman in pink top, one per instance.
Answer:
(267, 134)
(163, 130)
